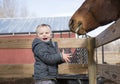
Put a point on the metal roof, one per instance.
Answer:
(21, 25)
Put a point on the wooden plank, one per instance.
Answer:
(110, 34)
(26, 70)
(71, 42)
(16, 42)
(23, 80)
(27, 42)
(16, 70)
(111, 72)
(69, 68)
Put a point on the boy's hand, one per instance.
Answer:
(65, 56)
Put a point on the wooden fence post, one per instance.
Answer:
(91, 61)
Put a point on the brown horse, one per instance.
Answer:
(94, 13)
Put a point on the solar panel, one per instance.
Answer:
(19, 25)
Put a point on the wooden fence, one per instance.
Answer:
(26, 70)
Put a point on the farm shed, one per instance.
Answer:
(18, 28)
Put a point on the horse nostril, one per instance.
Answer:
(79, 24)
(71, 22)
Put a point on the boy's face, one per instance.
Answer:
(44, 33)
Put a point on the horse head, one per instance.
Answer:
(94, 13)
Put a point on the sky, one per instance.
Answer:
(52, 8)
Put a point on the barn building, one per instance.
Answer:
(25, 28)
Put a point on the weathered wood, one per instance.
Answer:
(91, 61)
(71, 42)
(69, 68)
(16, 70)
(111, 72)
(26, 43)
(26, 70)
(110, 34)
(15, 42)
(23, 80)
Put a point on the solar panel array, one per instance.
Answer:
(21, 25)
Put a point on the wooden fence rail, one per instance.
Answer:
(26, 70)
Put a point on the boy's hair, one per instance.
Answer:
(42, 25)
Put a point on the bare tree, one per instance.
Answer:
(12, 8)
(117, 45)
(112, 46)
(23, 11)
